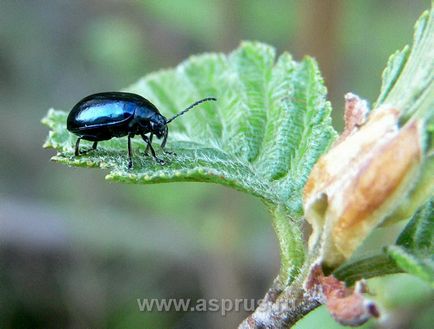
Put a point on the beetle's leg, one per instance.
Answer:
(150, 143)
(86, 151)
(77, 146)
(145, 138)
(166, 133)
(130, 161)
(163, 143)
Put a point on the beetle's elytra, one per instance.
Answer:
(102, 116)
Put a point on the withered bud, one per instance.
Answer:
(363, 178)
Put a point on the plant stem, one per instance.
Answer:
(281, 309)
(291, 243)
(285, 302)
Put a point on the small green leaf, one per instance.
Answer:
(413, 264)
(365, 268)
(415, 245)
(418, 235)
(269, 126)
(408, 82)
(391, 73)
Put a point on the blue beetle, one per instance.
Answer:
(102, 116)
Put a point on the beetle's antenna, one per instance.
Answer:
(190, 107)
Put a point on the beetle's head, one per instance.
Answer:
(158, 126)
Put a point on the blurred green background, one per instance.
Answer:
(76, 251)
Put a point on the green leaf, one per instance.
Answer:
(415, 245)
(391, 73)
(269, 126)
(408, 82)
(413, 264)
(418, 235)
(365, 268)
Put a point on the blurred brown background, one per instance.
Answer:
(76, 251)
